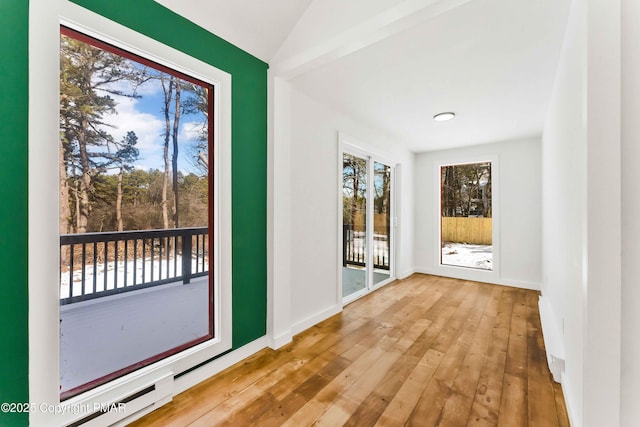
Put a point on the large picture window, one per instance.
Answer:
(135, 212)
(466, 211)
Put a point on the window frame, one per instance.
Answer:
(44, 23)
(108, 47)
(461, 272)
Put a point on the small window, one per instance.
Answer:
(466, 216)
(136, 194)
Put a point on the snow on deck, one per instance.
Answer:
(141, 271)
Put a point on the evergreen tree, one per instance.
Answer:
(88, 78)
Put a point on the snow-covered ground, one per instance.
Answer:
(131, 272)
(380, 248)
(108, 334)
(465, 255)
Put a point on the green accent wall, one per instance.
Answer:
(249, 173)
(249, 146)
(14, 66)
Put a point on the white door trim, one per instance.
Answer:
(350, 145)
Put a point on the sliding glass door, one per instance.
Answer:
(354, 224)
(367, 232)
(381, 222)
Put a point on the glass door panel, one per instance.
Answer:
(381, 222)
(354, 220)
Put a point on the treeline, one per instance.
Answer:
(100, 187)
(142, 201)
(354, 190)
(466, 190)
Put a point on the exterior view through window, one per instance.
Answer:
(466, 217)
(135, 195)
(366, 224)
(354, 220)
(381, 222)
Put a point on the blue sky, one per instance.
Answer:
(145, 117)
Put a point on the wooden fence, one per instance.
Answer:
(476, 231)
(379, 220)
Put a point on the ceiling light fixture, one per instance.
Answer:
(443, 117)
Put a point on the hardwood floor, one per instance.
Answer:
(424, 351)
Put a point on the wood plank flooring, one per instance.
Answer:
(424, 351)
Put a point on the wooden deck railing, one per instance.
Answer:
(354, 246)
(94, 265)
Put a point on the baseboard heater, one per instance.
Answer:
(553, 341)
(127, 408)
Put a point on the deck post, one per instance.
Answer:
(186, 258)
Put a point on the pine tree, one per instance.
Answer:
(88, 78)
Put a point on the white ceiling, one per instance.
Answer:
(256, 26)
(492, 62)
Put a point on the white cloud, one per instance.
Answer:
(147, 127)
(150, 87)
(191, 131)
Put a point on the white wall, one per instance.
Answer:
(581, 213)
(519, 211)
(279, 214)
(311, 133)
(602, 340)
(630, 391)
(564, 157)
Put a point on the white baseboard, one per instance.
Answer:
(500, 281)
(406, 273)
(517, 284)
(308, 322)
(281, 340)
(520, 284)
(568, 402)
(217, 365)
(203, 373)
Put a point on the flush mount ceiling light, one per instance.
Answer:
(443, 117)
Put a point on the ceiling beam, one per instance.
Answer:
(404, 15)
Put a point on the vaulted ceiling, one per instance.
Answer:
(256, 26)
(393, 64)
